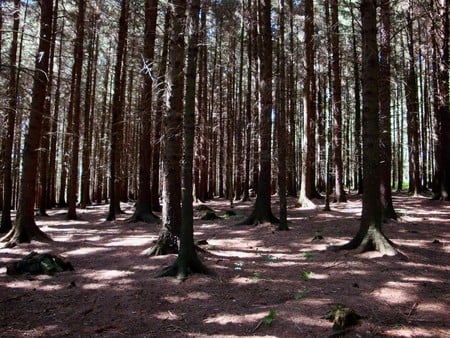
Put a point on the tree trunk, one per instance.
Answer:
(25, 228)
(308, 187)
(117, 117)
(74, 129)
(158, 117)
(262, 209)
(385, 113)
(412, 104)
(282, 123)
(171, 214)
(358, 178)
(441, 179)
(143, 210)
(8, 136)
(370, 235)
(88, 115)
(187, 261)
(337, 105)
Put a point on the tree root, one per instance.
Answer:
(181, 270)
(372, 240)
(14, 237)
(147, 217)
(305, 202)
(160, 249)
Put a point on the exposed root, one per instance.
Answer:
(372, 240)
(305, 202)
(14, 237)
(259, 218)
(147, 217)
(182, 270)
(161, 249)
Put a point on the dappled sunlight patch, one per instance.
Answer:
(396, 293)
(119, 276)
(301, 320)
(227, 318)
(167, 315)
(195, 295)
(402, 331)
(85, 251)
(130, 241)
(314, 275)
(94, 286)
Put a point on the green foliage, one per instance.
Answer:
(300, 295)
(308, 255)
(256, 276)
(270, 317)
(305, 275)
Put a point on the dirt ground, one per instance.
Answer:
(113, 291)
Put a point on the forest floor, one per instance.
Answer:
(113, 291)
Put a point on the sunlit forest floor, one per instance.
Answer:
(113, 291)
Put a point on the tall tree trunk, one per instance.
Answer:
(337, 105)
(412, 104)
(370, 235)
(385, 113)
(282, 123)
(74, 129)
(8, 136)
(187, 261)
(358, 170)
(440, 35)
(44, 154)
(308, 187)
(143, 210)
(86, 159)
(171, 215)
(159, 115)
(262, 209)
(51, 183)
(117, 117)
(25, 228)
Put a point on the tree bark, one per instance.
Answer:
(337, 105)
(117, 117)
(370, 235)
(25, 228)
(262, 209)
(412, 104)
(143, 210)
(171, 215)
(308, 187)
(385, 113)
(188, 261)
(8, 136)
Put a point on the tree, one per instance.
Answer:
(171, 214)
(337, 105)
(370, 235)
(262, 211)
(187, 261)
(25, 228)
(8, 137)
(143, 210)
(385, 112)
(412, 113)
(117, 116)
(308, 188)
(74, 129)
(282, 122)
(440, 41)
